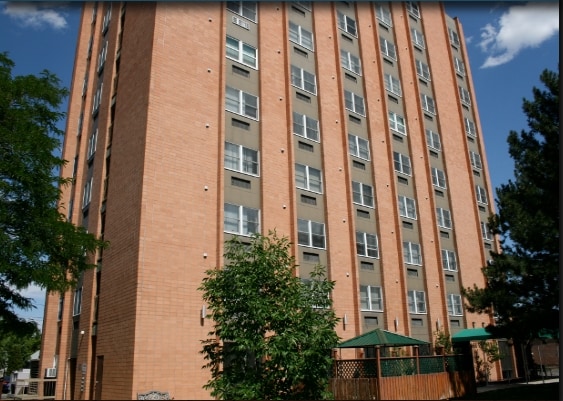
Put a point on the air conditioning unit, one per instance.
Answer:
(51, 372)
(241, 23)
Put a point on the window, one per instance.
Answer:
(358, 147)
(387, 48)
(305, 126)
(354, 102)
(438, 178)
(366, 245)
(433, 140)
(107, 19)
(300, 36)
(362, 194)
(407, 207)
(444, 218)
(92, 144)
(417, 38)
(402, 163)
(459, 66)
(397, 123)
(243, 53)
(309, 178)
(428, 103)
(481, 194)
(246, 9)
(87, 195)
(383, 14)
(97, 100)
(310, 233)
(475, 160)
(102, 57)
(464, 96)
(422, 70)
(350, 62)
(77, 304)
(305, 4)
(449, 260)
(241, 159)
(392, 84)
(417, 301)
(242, 103)
(454, 37)
(413, 9)
(347, 24)
(486, 232)
(85, 85)
(411, 253)
(241, 220)
(303, 80)
(470, 127)
(454, 305)
(370, 298)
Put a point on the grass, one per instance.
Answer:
(547, 391)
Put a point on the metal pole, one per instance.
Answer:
(541, 365)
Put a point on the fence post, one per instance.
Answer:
(416, 355)
(379, 375)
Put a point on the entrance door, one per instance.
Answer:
(99, 375)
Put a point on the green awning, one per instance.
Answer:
(382, 338)
(471, 335)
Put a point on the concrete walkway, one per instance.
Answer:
(498, 386)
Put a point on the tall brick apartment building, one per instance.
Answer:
(351, 128)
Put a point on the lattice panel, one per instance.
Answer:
(356, 368)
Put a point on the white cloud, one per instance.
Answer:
(36, 15)
(521, 26)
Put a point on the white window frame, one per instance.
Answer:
(92, 142)
(362, 194)
(454, 37)
(347, 24)
(407, 207)
(459, 66)
(307, 5)
(454, 305)
(312, 178)
(422, 69)
(97, 99)
(240, 52)
(413, 9)
(240, 162)
(303, 80)
(449, 260)
(350, 62)
(412, 253)
(476, 162)
(242, 9)
(358, 147)
(309, 235)
(392, 84)
(241, 102)
(402, 163)
(243, 222)
(486, 232)
(301, 36)
(367, 245)
(388, 49)
(371, 298)
(416, 302)
(87, 194)
(433, 140)
(308, 127)
(77, 302)
(383, 14)
(444, 218)
(102, 57)
(106, 20)
(85, 85)
(464, 96)
(354, 103)
(417, 38)
(470, 128)
(438, 178)
(397, 123)
(428, 103)
(481, 195)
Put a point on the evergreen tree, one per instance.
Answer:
(37, 243)
(523, 279)
(273, 333)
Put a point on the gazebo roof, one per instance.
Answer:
(382, 338)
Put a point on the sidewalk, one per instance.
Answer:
(495, 386)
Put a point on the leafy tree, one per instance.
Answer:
(523, 280)
(15, 350)
(273, 333)
(37, 244)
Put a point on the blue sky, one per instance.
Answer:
(509, 45)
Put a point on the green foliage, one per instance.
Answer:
(444, 341)
(523, 280)
(15, 350)
(37, 244)
(273, 334)
(492, 354)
